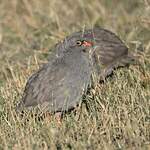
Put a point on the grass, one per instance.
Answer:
(114, 115)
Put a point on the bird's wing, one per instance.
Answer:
(110, 51)
(39, 85)
(110, 56)
(54, 87)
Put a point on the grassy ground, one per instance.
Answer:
(116, 115)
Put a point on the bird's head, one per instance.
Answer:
(78, 42)
(87, 41)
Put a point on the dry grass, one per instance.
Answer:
(115, 116)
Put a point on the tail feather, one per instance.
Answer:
(126, 60)
(121, 62)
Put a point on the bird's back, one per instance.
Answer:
(110, 52)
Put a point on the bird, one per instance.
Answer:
(59, 85)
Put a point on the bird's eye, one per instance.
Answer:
(79, 43)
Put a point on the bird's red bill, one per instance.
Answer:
(87, 44)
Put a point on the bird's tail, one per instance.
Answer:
(127, 60)
(121, 62)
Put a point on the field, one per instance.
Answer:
(114, 115)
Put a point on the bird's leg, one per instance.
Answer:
(47, 117)
(78, 111)
(58, 117)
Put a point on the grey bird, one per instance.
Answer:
(59, 85)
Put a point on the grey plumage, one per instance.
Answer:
(59, 84)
